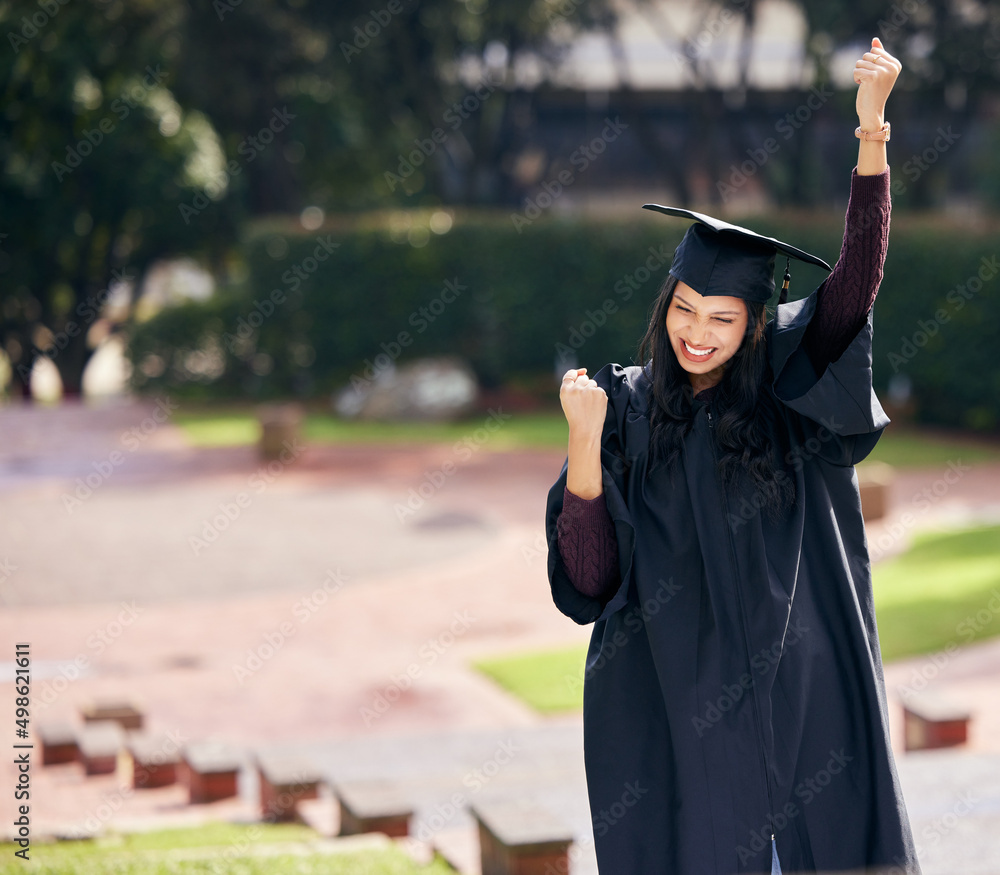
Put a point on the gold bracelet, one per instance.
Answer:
(882, 134)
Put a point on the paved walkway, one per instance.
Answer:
(301, 605)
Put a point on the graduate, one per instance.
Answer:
(707, 521)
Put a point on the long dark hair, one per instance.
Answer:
(741, 431)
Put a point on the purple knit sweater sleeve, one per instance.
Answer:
(588, 545)
(844, 299)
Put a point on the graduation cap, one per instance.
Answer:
(718, 258)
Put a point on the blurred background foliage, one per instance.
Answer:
(238, 133)
(578, 291)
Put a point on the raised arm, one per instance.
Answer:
(844, 300)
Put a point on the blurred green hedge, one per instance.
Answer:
(318, 309)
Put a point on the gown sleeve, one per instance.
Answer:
(617, 382)
(836, 406)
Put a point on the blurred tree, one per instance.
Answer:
(133, 130)
(440, 87)
(96, 157)
(252, 66)
(369, 86)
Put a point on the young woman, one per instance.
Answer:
(708, 522)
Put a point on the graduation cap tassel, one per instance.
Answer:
(784, 286)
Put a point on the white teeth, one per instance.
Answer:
(697, 351)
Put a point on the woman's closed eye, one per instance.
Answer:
(716, 318)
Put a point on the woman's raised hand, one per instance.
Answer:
(584, 403)
(875, 72)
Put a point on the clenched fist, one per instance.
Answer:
(875, 72)
(584, 403)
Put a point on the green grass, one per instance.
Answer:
(218, 429)
(218, 834)
(218, 848)
(214, 429)
(914, 449)
(210, 428)
(550, 681)
(945, 590)
(521, 430)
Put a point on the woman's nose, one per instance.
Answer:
(698, 333)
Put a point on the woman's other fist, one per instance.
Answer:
(584, 403)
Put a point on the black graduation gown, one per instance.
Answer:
(733, 687)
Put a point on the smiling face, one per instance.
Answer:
(705, 332)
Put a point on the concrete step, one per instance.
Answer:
(953, 796)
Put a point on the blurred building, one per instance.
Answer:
(717, 112)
